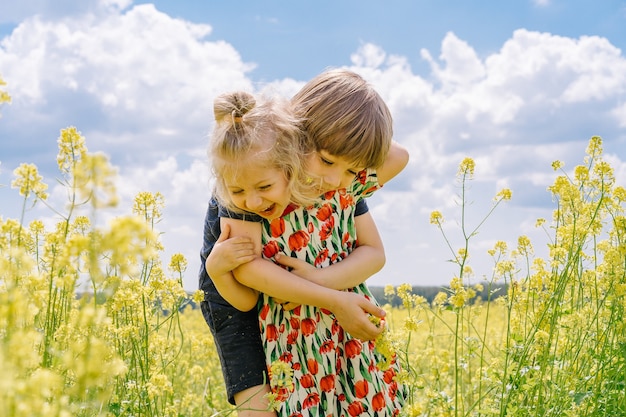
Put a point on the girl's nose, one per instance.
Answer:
(254, 202)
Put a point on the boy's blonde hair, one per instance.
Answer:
(345, 116)
(268, 130)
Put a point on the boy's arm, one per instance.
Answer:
(226, 255)
(364, 261)
(395, 162)
(351, 309)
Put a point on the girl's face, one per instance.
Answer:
(256, 188)
(334, 172)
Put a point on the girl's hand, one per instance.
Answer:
(229, 253)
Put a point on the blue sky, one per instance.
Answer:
(515, 85)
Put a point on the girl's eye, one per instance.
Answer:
(351, 172)
(236, 192)
(326, 161)
(265, 187)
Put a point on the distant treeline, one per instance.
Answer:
(489, 292)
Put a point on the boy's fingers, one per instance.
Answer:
(224, 233)
(285, 260)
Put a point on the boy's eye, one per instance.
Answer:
(235, 192)
(352, 172)
(265, 187)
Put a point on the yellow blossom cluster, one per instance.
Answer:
(89, 323)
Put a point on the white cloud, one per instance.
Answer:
(140, 84)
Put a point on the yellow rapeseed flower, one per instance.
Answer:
(390, 291)
(436, 218)
(95, 179)
(149, 205)
(29, 181)
(4, 96)
(524, 246)
(620, 194)
(594, 147)
(281, 375)
(556, 165)
(71, 149)
(466, 168)
(504, 194)
(198, 296)
(440, 299)
(581, 173)
(178, 263)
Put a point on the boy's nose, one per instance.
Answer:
(333, 181)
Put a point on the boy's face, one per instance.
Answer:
(256, 188)
(334, 171)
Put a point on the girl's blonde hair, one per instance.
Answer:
(345, 116)
(268, 129)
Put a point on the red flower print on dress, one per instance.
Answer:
(346, 200)
(264, 311)
(312, 365)
(353, 348)
(298, 240)
(324, 212)
(327, 383)
(277, 227)
(361, 388)
(326, 229)
(356, 408)
(295, 323)
(292, 337)
(270, 249)
(311, 400)
(307, 381)
(327, 346)
(323, 255)
(393, 390)
(329, 194)
(361, 176)
(378, 401)
(389, 375)
(281, 394)
(370, 190)
(272, 332)
(308, 326)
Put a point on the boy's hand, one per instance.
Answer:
(229, 253)
(300, 268)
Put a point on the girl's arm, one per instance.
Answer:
(351, 310)
(395, 162)
(364, 261)
(226, 255)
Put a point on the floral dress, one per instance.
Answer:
(334, 374)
